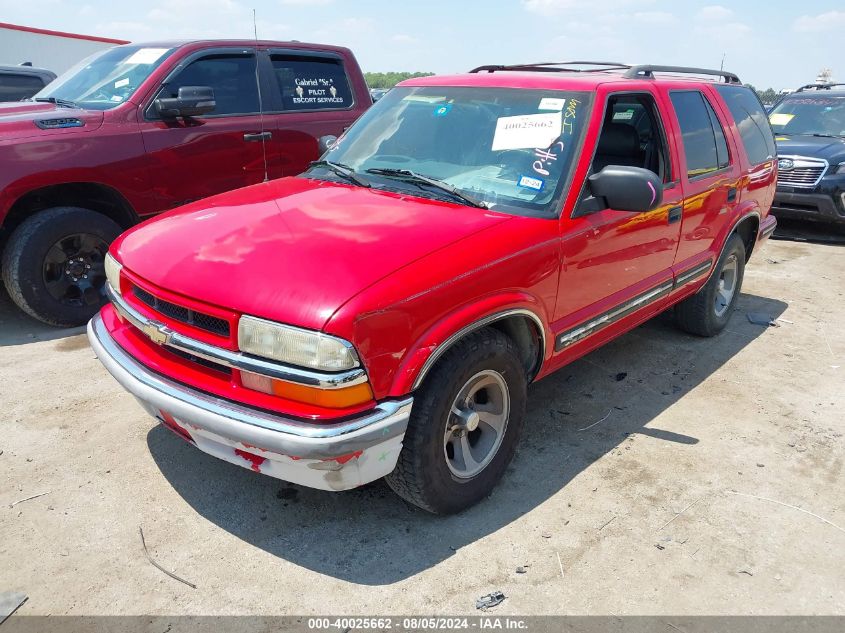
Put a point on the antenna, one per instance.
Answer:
(260, 100)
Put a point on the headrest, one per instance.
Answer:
(618, 139)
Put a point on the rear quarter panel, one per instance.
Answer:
(758, 182)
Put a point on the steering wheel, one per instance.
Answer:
(513, 159)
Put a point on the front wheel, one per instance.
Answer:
(464, 426)
(53, 266)
(706, 313)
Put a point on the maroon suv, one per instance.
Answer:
(138, 129)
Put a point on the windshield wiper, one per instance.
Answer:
(65, 103)
(342, 170)
(412, 176)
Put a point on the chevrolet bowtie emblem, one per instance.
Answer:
(157, 332)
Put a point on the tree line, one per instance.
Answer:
(769, 95)
(390, 79)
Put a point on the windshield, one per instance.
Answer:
(106, 79)
(824, 115)
(509, 149)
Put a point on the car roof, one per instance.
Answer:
(586, 81)
(206, 43)
(810, 94)
(28, 70)
(576, 75)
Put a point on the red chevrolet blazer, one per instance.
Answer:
(382, 314)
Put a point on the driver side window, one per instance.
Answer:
(231, 76)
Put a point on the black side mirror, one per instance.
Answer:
(325, 143)
(192, 101)
(627, 188)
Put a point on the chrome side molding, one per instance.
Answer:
(578, 333)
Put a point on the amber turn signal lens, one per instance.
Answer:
(328, 398)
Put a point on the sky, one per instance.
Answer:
(768, 43)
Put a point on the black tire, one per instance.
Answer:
(31, 285)
(699, 314)
(422, 475)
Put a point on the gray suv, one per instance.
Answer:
(21, 82)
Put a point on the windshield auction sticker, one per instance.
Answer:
(780, 118)
(526, 131)
(145, 56)
(548, 103)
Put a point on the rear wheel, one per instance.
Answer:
(464, 426)
(708, 311)
(53, 266)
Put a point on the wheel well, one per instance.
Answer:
(524, 333)
(747, 230)
(520, 326)
(93, 196)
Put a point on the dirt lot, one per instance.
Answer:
(714, 486)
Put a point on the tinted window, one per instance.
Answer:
(721, 143)
(17, 87)
(311, 83)
(751, 121)
(704, 140)
(232, 77)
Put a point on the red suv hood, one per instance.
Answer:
(17, 119)
(292, 250)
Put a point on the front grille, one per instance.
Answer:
(803, 171)
(801, 176)
(182, 314)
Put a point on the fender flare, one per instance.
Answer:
(453, 326)
(755, 211)
(18, 190)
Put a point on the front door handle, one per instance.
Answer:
(258, 136)
(675, 214)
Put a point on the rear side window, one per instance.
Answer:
(17, 87)
(751, 121)
(310, 82)
(704, 139)
(232, 77)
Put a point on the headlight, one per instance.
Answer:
(294, 345)
(113, 268)
(839, 169)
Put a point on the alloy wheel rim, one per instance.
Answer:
(74, 270)
(727, 286)
(477, 423)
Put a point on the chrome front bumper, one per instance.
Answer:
(334, 456)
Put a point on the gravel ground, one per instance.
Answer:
(713, 485)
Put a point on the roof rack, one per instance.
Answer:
(552, 67)
(819, 86)
(631, 71)
(648, 70)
